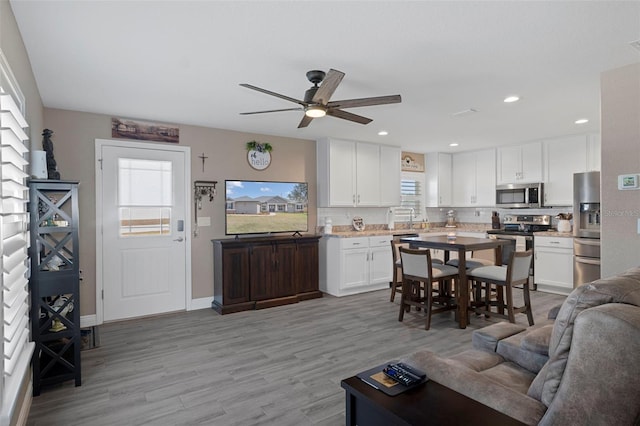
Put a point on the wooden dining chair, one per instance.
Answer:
(515, 273)
(396, 278)
(418, 278)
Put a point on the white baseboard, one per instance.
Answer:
(202, 303)
(88, 320)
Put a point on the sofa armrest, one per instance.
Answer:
(487, 338)
(477, 386)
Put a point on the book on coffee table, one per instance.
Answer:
(375, 378)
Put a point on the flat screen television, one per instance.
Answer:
(265, 207)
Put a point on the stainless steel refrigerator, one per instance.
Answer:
(586, 227)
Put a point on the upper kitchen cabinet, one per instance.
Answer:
(563, 157)
(438, 177)
(390, 165)
(520, 163)
(359, 174)
(474, 174)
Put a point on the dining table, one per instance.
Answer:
(460, 245)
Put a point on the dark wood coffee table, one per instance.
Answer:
(429, 404)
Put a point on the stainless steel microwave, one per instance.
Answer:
(520, 195)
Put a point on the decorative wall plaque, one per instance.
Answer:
(259, 155)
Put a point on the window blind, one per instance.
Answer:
(410, 198)
(14, 236)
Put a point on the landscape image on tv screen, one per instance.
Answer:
(254, 207)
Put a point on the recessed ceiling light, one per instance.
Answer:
(383, 133)
(582, 121)
(453, 144)
(510, 99)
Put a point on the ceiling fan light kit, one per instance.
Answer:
(316, 99)
(315, 111)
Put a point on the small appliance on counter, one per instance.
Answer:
(518, 231)
(451, 219)
(495, 220)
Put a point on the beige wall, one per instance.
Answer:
(620, 111)
(74, 147)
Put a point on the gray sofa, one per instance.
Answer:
(583, 368)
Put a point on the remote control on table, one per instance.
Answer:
(403, 374)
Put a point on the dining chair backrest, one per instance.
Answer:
(415, 263)
(395, 249)
(519, 265)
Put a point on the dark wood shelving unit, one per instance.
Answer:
(54, 282)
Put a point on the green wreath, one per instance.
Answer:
(260, 147)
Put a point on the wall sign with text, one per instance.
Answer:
(259, 155)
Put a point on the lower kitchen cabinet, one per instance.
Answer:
(355, 265)
(255, 273)
(553, 264)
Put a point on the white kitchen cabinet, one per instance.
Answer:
(520, 163)
(352, 174)
(439, 179)
(355, 265)
(474, 176)
(367, 175)
(390, 165)
(553, 264)
(563, 157)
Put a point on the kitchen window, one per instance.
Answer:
(411, 197)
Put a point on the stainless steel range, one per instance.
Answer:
(519, 229)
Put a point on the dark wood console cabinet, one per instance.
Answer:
(256, 273)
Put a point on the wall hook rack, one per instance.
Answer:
(202, 188)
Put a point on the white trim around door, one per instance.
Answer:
(99, 144)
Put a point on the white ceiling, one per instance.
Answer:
(182, 61)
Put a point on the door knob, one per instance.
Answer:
(179, 239)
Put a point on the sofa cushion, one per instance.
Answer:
(600, 385)
(513, 349)
(511, 376)
(478, 386)
(622, 288)
(487, 338)
(537, 340)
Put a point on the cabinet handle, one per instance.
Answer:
(354, 198)
(358, 198)
(554, 242)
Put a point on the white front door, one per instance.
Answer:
(144, 230)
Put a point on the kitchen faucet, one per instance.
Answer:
(412, 212)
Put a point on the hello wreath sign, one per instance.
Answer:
(259, 155)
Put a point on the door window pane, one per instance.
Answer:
(144, 182)
(144, 197)
(145, 221)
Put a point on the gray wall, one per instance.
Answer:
(620, 111)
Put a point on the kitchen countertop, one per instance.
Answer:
(553, 233)
(472, 227)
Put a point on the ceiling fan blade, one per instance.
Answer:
(277, 95)
(328, 86)
(353, 103)
(338, 113)
(272, 110)
(306, 120)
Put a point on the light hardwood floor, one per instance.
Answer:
(277, 366)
